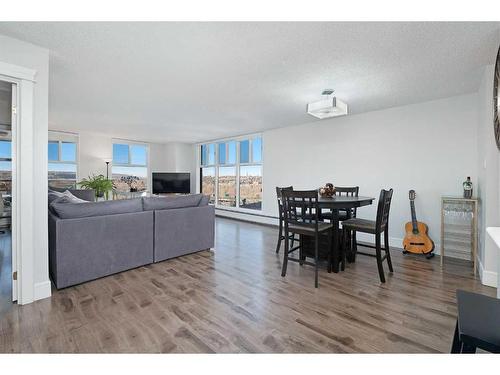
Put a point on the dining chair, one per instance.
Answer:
(478, 323)
(281, 237)
(343, 191)
(301, 216)
(378, 227)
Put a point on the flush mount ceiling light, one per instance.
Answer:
(330, 106)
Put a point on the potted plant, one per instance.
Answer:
(99, 183)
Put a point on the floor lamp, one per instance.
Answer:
(107, 170)
(107, 161)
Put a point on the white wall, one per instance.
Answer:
(488, 179)
(430, 147)
(169, 157)
(23, 54)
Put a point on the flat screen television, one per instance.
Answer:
(164, 183)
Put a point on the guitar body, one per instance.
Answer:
(417, 243)
(416, 240)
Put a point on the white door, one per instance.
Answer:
(14, 203)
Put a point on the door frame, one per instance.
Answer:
(22, 179)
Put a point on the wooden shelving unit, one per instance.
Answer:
(459, 228)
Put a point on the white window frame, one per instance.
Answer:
(65, 137)
(129, 164)
(237, 166)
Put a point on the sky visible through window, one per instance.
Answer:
(138, 154)
(62, 167)
(251, 170)
(5, 166)
(68, 151)
(250, 152)
(53, 150)
(133, 171)
(120, 154)
(5, 149)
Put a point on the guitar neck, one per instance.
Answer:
(413, 217)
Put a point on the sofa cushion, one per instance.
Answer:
(167, 203)
(72, 198)
(204, 200)
(89, 209)
(53, 196)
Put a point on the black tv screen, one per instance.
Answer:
(171, 183)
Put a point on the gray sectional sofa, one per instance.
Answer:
(95, 239)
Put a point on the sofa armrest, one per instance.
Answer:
(183, 231)
(92, 247)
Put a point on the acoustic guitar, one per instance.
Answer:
(416, 240)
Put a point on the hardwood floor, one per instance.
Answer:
(234, 300)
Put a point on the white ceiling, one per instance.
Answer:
(199, 81)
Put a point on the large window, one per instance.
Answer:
(231, 172)
(130, 166)
(5, 167)
(207, 171)
(62, 155)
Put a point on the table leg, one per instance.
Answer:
(335, 252)
(456, 346)
(348, 241)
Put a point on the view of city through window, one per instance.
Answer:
(232, 172)
(130, 167)
(5, 166)
(62, 164)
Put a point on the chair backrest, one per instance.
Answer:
(300, 207)
(280, 199)
(384, 206)
(347, 191)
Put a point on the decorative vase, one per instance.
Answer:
(327, 191)
(467, 188)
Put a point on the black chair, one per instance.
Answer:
(478, 323)
(377, 227)
(281, 237)
(301, 216)
(343, 192)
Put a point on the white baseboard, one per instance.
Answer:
(370, 238)
(253, 218)
(42, 290)
(488, 278)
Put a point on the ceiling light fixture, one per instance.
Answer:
(328, 107)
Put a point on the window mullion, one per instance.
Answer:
(216, 164)
(238, 174)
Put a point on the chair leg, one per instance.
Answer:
(316, 261)
(456, 346)
(343, 249)
(285, 255)
(378, 254)
(302, 258)
(280, 237)
(387, 251)
(354, 246)
(330, 250)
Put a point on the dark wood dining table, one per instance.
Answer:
(334, 204)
